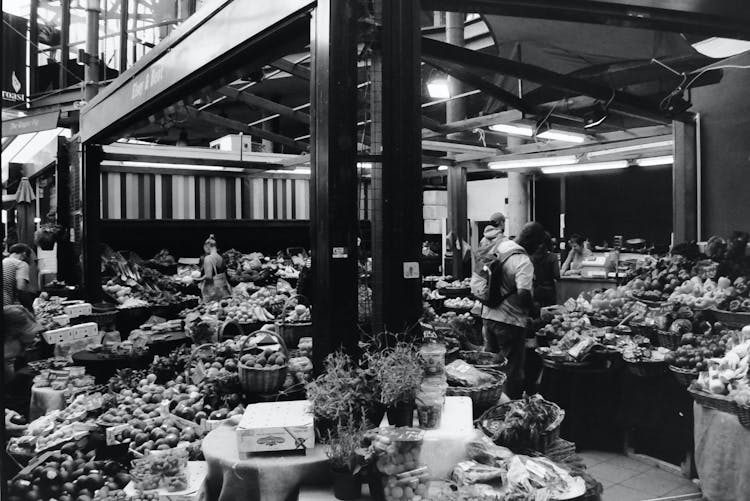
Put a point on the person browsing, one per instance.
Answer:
(578, 252)
(16, 278)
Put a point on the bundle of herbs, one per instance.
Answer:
(397, 373)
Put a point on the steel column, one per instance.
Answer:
(684, 184)
(64, 42)
(91, 70)
(123, 36)
(91, 242)
(65, 264)
(333, 183)
(33, 44)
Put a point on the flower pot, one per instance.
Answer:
(346, 486)
(401, 414)
(45, 239)
(374, 415)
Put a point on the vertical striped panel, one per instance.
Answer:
(132, 195)
(167, 195)
(104, 190)
(178, 197)
(281, 198)
(293, 198)
(202, 205)
(113, 185)
(301, 197)
(190, 199)
(157, 197)
(267, 185)
(289, 212)
(246, 192)
(123, 196)
(142, 196)
(238, 198)
(258, 199)
(230, 199)
(218, 198)
(151, 186)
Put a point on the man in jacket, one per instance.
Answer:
(504, 326)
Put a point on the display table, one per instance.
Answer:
(44, 400)
(573, 286)
(263, 477)
(164, 344)
(722, 455)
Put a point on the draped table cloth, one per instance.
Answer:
(722, 455)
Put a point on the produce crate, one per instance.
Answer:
(712, 401)
(683, 376)
(546, 441)
(669, 340)
(293, 331)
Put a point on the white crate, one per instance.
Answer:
(435, 197)
(433, 226)
(276, 426)
(434, 211)
(84, 331)
(76, 310)
(56, 336)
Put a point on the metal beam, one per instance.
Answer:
(291, 68)
(730, 18)
(92, 203)
(64, 43)
(235, 125)
(475, 123)
(685, 184)
(480, 83)
(265, 104)
(456, 147)
(470, 59)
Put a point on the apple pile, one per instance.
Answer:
(67, 475)
(574, 321)
(267, 359)
(697, 348)
(610, 303)
(657, 282)
(159, 433)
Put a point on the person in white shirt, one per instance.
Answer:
(504, 326)
(16, 274)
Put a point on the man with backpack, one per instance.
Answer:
(503, 281)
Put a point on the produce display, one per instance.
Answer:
(522, 423)
(464, 303)
(398, 452)
(49, 311)
(727, 375)
(455, 284)
(696, 348)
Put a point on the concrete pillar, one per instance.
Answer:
(518, 198)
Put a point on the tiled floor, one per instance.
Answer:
(629, 479)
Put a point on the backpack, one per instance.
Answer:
(487, 280)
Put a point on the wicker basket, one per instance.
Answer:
(669, 340)
(545, 441)
(646, 368)
(483, 359)
(193, 361)
(732, 319)
(743, 414)
(266, 379)
(648, 331)
(603, 322)
(482, 396)
(683, 376)
(712, 401)
(293, 331)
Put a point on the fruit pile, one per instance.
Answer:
(610, 303)
(737, 297)
(727, 375)
(562, 324)
(300, 313)
(696, 349)
(159, 433)
(67, 475)
(268, 359)
(236, 309)
(459, 303)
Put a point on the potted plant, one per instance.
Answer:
(397, 373)
(345, 457)
(342, 396)
(46, 236)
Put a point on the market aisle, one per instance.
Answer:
(628, 479)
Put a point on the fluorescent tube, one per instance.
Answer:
(594, 166)
(651, 161)
(527, 163)
(626, 149)
(558, 135)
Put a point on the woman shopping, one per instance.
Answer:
(578, 252)
(213, 284)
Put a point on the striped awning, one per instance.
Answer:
(25, 193)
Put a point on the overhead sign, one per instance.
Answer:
(14, 60)
(33, 123)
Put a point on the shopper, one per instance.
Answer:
(213, 284)
(20, 331)
(504, 326)
(546, 273)
(578, 252)
(16, 281)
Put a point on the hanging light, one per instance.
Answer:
(718, 48)
(530, 163)
(442, 167)
(438, 88)
(514, 129)
(595, 117)
(594, 166)
(558, 135)
(652, 161)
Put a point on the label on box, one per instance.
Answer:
(276, 426)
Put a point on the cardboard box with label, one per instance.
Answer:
(275, 427)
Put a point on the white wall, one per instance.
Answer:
(486, 197)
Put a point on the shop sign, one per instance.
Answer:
(411, 269)
(14, 60)
(340, 253)
(33, 123)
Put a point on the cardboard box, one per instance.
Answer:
(433, 226)
(434, 211)
(435, 197)
(276, 426)
(76, 310)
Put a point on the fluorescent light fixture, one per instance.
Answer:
(364, 165)
(529, 163)
(626, 149)
(515, 129)
(438, 88)
(651, 161)
(594, 166)
(442, 167)
(153, 165)
(37, 220)
(558, 135)
(4, 216)
(298, 170)
(718, 48)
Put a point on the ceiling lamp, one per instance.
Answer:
(442, 168)
(558, 135)
(595, 117)
(530, 163)
(652, 161)
(626, 149)
(298, 170)
(594, 166)
(514, 129)
(438, 88)
(718, 48)
(157, 165)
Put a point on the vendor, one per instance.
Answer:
(213, 284)
(546, 273)
(578, 252)
(16, 276)
(20, 332)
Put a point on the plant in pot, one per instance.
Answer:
(342, 396)
(46, 236)
(346, 459)
(397, 373)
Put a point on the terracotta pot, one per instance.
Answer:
(346, 486)
(401, 414)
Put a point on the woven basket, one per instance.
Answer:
(545, 441)
(669, 340)
(603, 322)
(293, 331)
(683, 376)
(193, 361)
(262, 380)
(646, 368)
(483, 359)
(648, 331)
(712, 401)
(732, 319)
(743, 414)
(482, 396)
